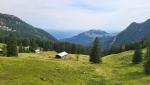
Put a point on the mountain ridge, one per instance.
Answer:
(87, 37)
(133, 33)
(12, 24)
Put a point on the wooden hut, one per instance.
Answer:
(61, 55)
(1, 52)
(37, 51)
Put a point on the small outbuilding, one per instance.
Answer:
(61, 55)
(37, 51)
(1, 52)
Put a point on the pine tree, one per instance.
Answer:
(147, 55)
(137, 57)
(95, 55)
(147, 63)
(147, 67)
(12, 46)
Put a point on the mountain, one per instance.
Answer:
(86, 38)
(12, 24)
(133, 33)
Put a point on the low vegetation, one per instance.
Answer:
(44, 69)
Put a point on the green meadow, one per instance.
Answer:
(44, 69)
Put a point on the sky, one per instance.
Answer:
(78, 15)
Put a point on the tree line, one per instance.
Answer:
(14, 46)
(126, 47)
(26, 45)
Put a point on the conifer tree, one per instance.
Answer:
(95, 55)
(12, 46)
(147, 67)
(147, 63)
(147, 54)
(137, 57)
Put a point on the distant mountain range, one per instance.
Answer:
(133, 33)
(86, 38)
(12, 24)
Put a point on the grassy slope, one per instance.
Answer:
(43, 69)
(1, 45)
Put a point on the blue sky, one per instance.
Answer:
(78, 15)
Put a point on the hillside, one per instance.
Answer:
(133, 33)
(43, 69)
(12, 24)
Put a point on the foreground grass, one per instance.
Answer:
(44, 69)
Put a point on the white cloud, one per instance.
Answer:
(78, 14)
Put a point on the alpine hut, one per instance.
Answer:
(1, 52)
(37, 51)
(61, 55)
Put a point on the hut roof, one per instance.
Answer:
(62, 54)
(37, 50)
(1, 49)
